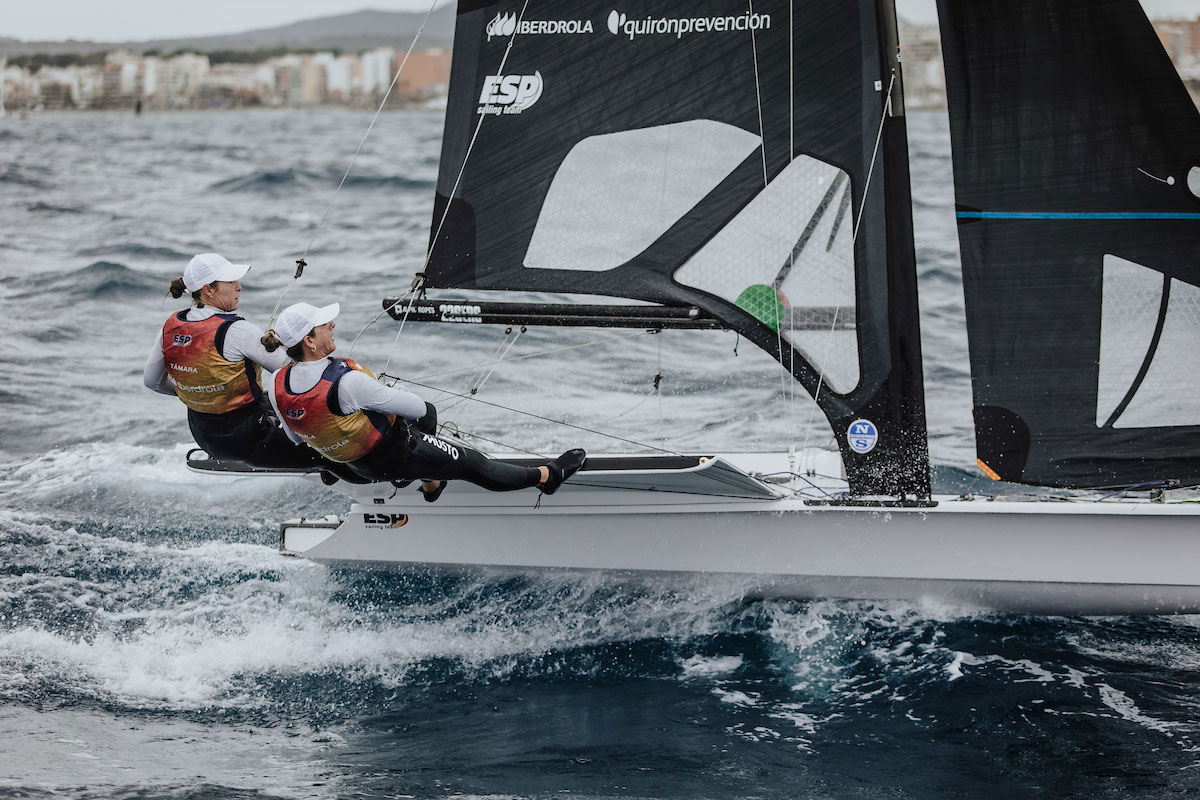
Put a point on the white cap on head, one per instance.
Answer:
(205, 268)
(297, 320)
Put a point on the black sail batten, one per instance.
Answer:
(652, 157)
(1077, 177)
(490, 312)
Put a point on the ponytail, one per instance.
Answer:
(269, 342)
(178, 289)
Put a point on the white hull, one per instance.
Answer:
(1027, 556)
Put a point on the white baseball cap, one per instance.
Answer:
(205, 268)
(297, 320)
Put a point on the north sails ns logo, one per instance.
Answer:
(862, 435)
(509, 94)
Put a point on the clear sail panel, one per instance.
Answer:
(1147, 349)
(616, 193)
(788, 259)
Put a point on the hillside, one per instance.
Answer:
(356, 31)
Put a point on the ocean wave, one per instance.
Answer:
(131, 620)
(272, 181)
(100, 280)
(265, 181)
(138, 485)
(32, 176)
(385, 182)
(46, 208)
(137, 251)
(186, 617)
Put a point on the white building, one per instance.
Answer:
(377, 70)
(340, 78)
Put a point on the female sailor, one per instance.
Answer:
(211, 359)
(383, 434)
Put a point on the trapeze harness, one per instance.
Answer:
(316, 417)
(204, 379)
(227, 412)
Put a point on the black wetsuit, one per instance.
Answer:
(249, 434)
(413, 451)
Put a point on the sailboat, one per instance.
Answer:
(745, 167)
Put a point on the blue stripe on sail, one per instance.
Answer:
(1076, 215)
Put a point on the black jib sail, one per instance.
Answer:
(1077, 177)
(742, 159)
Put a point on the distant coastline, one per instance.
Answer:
(347, 61)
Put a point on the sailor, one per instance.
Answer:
(211, 359)
(383, 434)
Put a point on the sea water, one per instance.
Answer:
(153, 643)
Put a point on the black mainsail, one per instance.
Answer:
(1077, 177)
(741, 159)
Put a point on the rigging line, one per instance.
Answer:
(497, 359)
(490, 362)
(791, 157)
(762, 136)
(502, 349)
(466, 157)
(412, 299)
(887, 110)
(370, 322)
(469, 435)
(416, 289)
(536, 416)
(375, 318)
(350, 166)
(419, 280)
(790, 389)
(662, 431)
(630, 410)
(817, 394)
(535, 355)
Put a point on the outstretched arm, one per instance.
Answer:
(357, 390)
(154, 376)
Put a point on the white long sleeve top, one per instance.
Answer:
(241, 342)
(357, 391)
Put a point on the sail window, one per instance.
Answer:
(616, 193)
(1193, 181)
(1147, 380)
(788, 259)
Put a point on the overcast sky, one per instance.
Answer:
(136, 20)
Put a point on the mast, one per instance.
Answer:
(903, 467)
